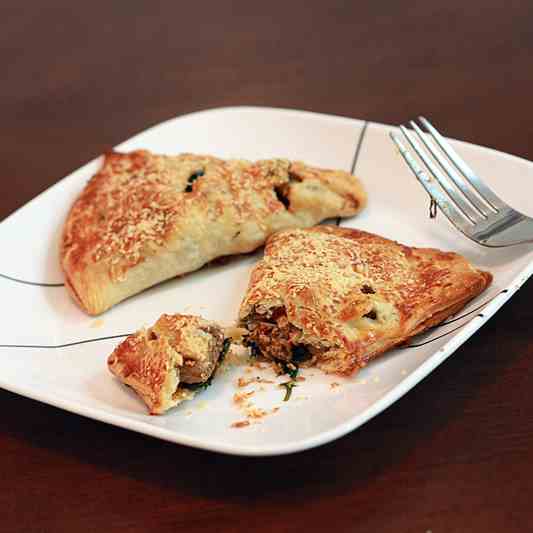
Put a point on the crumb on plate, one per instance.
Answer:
(243, 382)
(241, 397)
(240, 424)
(255, 412)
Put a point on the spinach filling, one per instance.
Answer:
(300, 353)
(289, 385)
(192, 178)
(292, 370)
(255, 352)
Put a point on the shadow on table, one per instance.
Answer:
(423, 421)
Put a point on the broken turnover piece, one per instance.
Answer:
(337, 297)
(170, 361)
(144, 218)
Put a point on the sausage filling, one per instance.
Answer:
(274, 337)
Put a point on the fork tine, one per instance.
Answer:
(484, 192)
(443, 181)
(434, 191)
(479, 207)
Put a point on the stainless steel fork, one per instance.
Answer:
(469, 204)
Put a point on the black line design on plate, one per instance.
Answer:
(55, 346)
(358, 147)
(356, 156)
(35, 283)
(455, 319)
(437, 337)
(480, 315)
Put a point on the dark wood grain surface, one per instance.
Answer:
(455, 454)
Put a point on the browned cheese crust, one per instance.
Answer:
(144, 218)
(164, 363)
(344, 296)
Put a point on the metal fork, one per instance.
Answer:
(469, 204)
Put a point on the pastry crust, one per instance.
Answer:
(166, 363)
(339, 297)
(144, 218)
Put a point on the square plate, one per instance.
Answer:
(41, 355)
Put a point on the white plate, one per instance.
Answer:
(75, 377)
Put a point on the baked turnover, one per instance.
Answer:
(337, 297)
(170, 361)
(144, 218)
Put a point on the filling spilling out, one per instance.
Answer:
(274, 337)
(282, 194)
(282, 191)
(195, 374)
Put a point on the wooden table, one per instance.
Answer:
(455, 454)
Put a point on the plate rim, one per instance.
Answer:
(405, 385)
